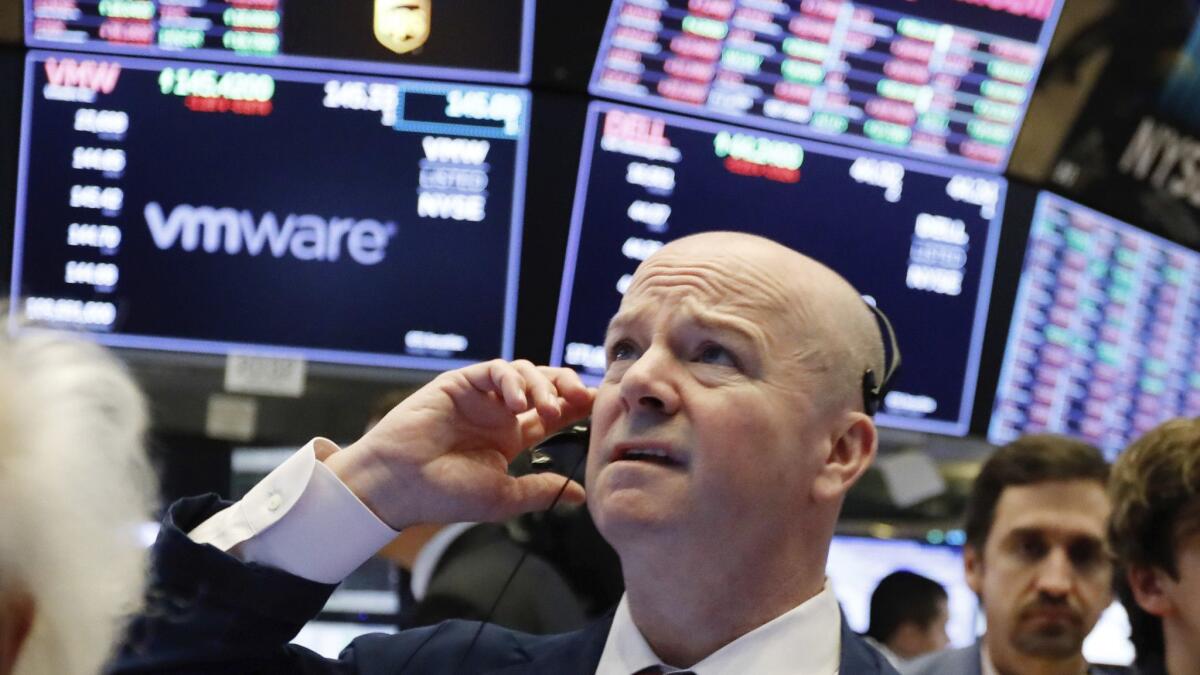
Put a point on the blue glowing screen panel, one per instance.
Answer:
(1102, 344)
(477, 40)
(856, 565)
(920, 239)
(941, 79)
(212, 208)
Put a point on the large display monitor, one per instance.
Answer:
(942, 79)
(919, 239)
(212, 208)
(856, 565)
(489, 40)
(1102, 344)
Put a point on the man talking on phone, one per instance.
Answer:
(733, 417)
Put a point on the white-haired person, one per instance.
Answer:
(74, 484)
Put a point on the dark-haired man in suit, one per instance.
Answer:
(731, 421)
(1036, 557)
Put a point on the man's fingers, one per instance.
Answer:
(568, 384)
(540, 388)
(501, 378)
(533, 428)
(512, 385)
(558, 394)
(575, 396)
(537, 491)
(574, 403)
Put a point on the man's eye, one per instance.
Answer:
(621, 350)
(716, 355)
(1031, 548)
(1085, 555)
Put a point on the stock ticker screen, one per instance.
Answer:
(1103, 342)
(208, 208)
(488, 40)
(941, 79)
(918, 238)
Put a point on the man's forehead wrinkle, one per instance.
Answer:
(724, 277)
(719, 317)
(694, 310)
(660, 277)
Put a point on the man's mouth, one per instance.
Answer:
(1055, 614)
(651, 454)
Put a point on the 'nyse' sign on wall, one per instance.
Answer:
(1135, 151)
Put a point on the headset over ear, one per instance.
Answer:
(873, 388)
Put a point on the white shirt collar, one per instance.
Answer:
(893, 658)
(431, 553)
(806, 640)
(986, 667)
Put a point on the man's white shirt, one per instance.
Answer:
(290, 518)
(985, 661)
(805, 641)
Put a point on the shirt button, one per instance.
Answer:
(274, 502)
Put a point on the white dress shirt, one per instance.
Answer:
(986, 666)
(892, 657)
(303, 520)
(806, 640)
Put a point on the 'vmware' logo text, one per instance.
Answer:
(304, 237)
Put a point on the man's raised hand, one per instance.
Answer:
(442, 455)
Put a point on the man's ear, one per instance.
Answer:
(1149, 585)
(17, 611)
(851, 452)
(973, 568)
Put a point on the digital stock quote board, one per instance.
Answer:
(207, 208)
(918, 238)
(941, 79)
(477, 40)
(1103, 342)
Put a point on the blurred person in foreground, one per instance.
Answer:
(908, 617)
(1155, 534)
(1036, 556)
(75, 485)
(731, 422)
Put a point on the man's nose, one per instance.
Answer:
(650, 383)
(1056, 574)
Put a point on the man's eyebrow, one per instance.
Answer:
(618, 321)
(739, 327)
(1039, 531)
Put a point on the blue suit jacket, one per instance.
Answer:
(210, 613)
(968, 661)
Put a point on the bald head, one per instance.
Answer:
(821, 319)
